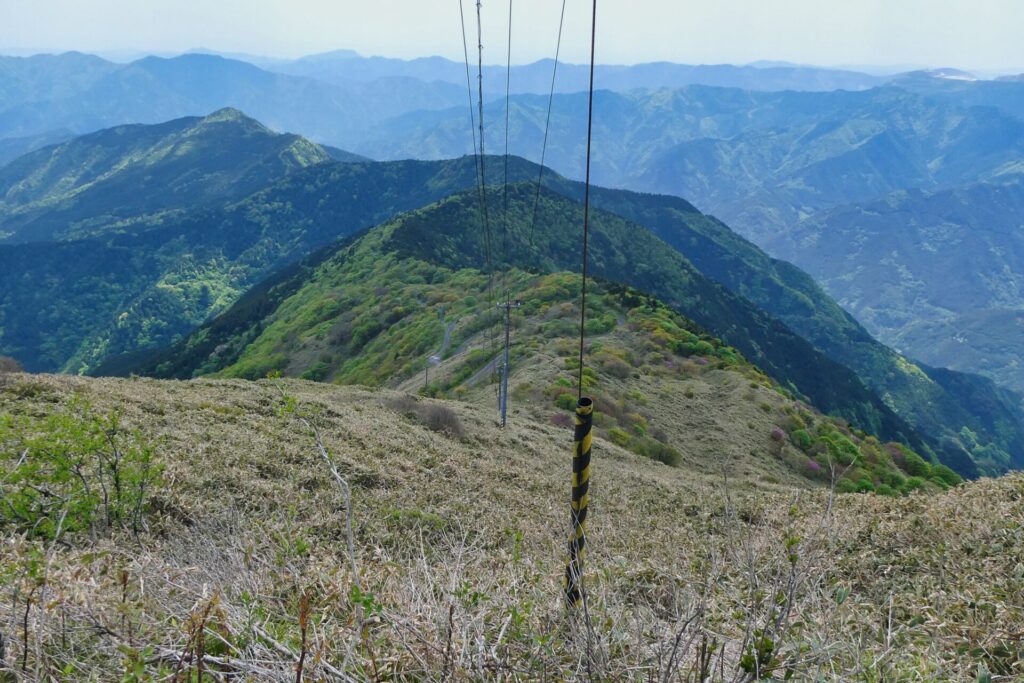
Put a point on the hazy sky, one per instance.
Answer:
(978, 34)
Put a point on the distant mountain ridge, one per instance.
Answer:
(760, 161)
(95, 183)
(333, 98)
(535, 78)
(153, 90)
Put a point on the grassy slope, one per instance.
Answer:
(351, 297)
(459, 546)
(658, 380)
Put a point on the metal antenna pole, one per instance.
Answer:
(503, 392)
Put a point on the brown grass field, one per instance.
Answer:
(727, 568)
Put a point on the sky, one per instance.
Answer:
(984, 35)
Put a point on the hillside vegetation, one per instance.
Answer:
(344, 300)
(324, 313)
(73, 305)
(240, 565)
(656, 377)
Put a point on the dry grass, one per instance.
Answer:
(459, 547)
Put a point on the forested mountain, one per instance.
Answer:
(923, 401)
(402, 306)
(759, 161)
(937, 274)
(104, 181)
(258, 336)
(147, 284)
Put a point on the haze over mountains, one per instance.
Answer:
(251, 326)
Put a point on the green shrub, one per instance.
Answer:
(865, 485)
(802, 439)
(649, 448)
(846, 486)
(914, 484)
(566, 401)
(317, 372)
(893, 479)
(73, 471)
(915, 465)
(946, 475)
(618, 437)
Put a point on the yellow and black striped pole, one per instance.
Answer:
(580, 501)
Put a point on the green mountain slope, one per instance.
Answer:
(402, 306)
(12, 148)
(130, 174)
(247, 340)
(155, 283)
(152, 284)
(915, 391)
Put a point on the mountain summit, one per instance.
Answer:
(94, 183)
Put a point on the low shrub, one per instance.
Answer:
(946, 475)
(438, 418)
(914, 484)
(433, 416)
(562, 420)
(8, 364)
(916, 466)
(649, 448)
(74, 471)
(404, 405)
(886, 490)
(618, 437)
(802, 439)
(566, 401)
